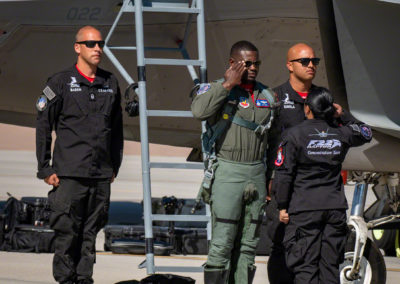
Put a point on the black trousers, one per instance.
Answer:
(79, 210)
(315, 243)
(278, 272)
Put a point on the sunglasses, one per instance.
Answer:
(92, 43)
(249, 63)
(306, 61)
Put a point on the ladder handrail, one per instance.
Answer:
(195, 9)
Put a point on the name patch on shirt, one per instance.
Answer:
(262, 103)
(244, 102)
(105, 90)
(287, 103)
(74, 85)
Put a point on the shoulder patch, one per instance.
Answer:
(366, 132)
(355, 128)
(279, 157)
(48, 92)
(41, 103)
(204, 87)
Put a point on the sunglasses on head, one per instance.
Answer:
(92, 43)
(306, 61)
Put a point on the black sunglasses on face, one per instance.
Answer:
(306, 61)
(249, 63)
(92, 43)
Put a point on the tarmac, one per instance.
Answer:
(18, 177)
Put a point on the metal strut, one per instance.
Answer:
(195, 8)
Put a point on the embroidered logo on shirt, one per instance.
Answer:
(324, 144)
(366, 132)
(203, 88)
(288, 103)
(74, 85)
(41, 103)
(322, 134)
(105, 90)
(262, 103)
(244, 102)
(279, 157)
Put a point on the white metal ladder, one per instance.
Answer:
(195, 8)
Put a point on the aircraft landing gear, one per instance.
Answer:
(363, 262)
(372, 265)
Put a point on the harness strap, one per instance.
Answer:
(244, 123)
(256, 221)
(228, 221)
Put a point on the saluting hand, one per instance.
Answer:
(283, 216)
(52, 180)
(233, 76)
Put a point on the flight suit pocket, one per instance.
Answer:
(60, 209)
(296, 248)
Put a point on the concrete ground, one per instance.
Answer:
(17, 176)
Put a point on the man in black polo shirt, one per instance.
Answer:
(83, 105)
(302, 65)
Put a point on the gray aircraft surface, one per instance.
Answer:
(357, 40)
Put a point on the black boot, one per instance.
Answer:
(215, 276)
(251, 271)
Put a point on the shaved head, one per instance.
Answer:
(89, 47)
(84, 31)
(298, 51)
(301, 74)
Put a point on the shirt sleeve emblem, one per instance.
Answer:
(41, 103)
(203, 88)
(279, 157)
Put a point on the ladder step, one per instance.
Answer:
(171, 10)
(161, 6)
(179, 268)
(189, 166)
(122, 47)
(172, 113)
(181, 218)
(164, 61)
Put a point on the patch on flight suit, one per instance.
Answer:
(244, 102)
(203, 88)
(279, 157)
(366, 132)
(41, 103)
(262, 103)
(49, 93)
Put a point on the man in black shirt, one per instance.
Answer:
(82, 104)
(302, 66)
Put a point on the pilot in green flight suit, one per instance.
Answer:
(239, 183)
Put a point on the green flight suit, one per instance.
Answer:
(239, 189)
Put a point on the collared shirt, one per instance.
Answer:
(291, 112)
(87, 119)
(309, 162)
